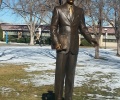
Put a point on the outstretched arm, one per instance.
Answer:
(84, 30)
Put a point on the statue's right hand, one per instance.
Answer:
(58, 47)
(94, 42)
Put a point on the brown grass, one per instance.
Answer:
(11, 76)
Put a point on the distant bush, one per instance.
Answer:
(12, 38)
(44, 40)
(48, 40)
(84, 42)
(23, 40)
(27, 40)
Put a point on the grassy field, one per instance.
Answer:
(11, 87)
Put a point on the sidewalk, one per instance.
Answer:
(18, 44)
(13, 44)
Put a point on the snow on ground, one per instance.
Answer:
(105, 70)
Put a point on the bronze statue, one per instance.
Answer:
(67, 21)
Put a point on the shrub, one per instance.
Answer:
(12, 38)
(27, 40)
(23, 40)
(84, 42)
(48, 40)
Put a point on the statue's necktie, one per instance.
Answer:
(70, 11)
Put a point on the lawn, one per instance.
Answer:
(13, 87)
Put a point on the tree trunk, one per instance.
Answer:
(117, 34)
(97, 48)
(31, 38)
(97, 52)
(118, 47)
(100, 30)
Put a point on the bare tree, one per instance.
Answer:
(94, 10)
(34, 12)
(112, 12)
(116, 6)
(99, 11)
(104, 10)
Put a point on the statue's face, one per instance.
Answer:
(70, 1)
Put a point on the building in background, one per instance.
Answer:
(107, 39)
(15, 31)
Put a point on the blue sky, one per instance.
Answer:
(8, 16)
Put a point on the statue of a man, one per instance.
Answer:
(67, 22)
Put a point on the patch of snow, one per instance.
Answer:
(105, 70)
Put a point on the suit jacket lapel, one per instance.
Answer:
(66, 12)
(75, 14)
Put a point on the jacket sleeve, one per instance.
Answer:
(83, 28)
(54, 27)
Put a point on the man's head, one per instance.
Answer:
(71, 2)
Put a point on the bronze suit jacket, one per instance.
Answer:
(65, 30)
